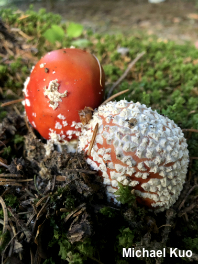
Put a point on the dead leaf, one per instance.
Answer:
(195, 61)
(43, 236)
(187, 60)
(85, 115)
(17, 246)
(80, 228)
(23, 17)
(193, 16)
(194, 91)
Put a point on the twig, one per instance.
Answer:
(16, 110)
(5, 213)
(92, 139)
(190, 130)
(23, 227)
(42, 208)
(53, 183)
(15, 180)
(170, 215)
(10, 175)
(2, 257)
(29, 193)
(28, 127)
(12, 102)
(30, 219)
(3, 164)
(182, 203)
(163, 226)
(63, 178)
(11, 183)
(188, 209)
(14, 233)
(41, 200)
(82, 170)
(114, 96)
(131, 64)
(35, 184)
(31, 256)
(196, 158)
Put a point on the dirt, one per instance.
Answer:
(173, 20)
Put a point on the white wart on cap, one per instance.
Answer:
(140, 148)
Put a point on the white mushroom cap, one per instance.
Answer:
(138, 147)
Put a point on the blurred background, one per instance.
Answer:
(172, 19)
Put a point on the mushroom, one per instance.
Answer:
(61, 84)
(137, 147)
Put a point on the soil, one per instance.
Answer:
(173, 20)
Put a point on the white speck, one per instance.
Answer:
(34, 114)
(58, 125)
(61, 116)
(65, 123)
(53, 72)
(33, 124)
(43, 79)
(25, 86)
(42, 65)
(27, 102)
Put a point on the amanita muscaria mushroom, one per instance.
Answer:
(61, 84)
(140, 148)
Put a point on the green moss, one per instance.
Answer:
(18, 139)
(125, 195)
(6, 152)
(5, 238)
(11, 200)
(191, 244)
(109, 212)
(125, 238)
(2, 115)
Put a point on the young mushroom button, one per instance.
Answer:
(140, 148)
(61, 84)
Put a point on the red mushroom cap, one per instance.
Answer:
(140, 148)
(62, 83)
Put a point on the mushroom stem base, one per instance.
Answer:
(70, 147)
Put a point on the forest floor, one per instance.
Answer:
(173, 20)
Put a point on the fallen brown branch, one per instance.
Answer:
(190, 130)
(92, 139)
(131, 64)
(114, 96)
(12, 102)
(15, 180)
(10, 175)
(182, 203)
(5, 213)
(11, 183)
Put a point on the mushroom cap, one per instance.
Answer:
(140, 148)
(62, 83)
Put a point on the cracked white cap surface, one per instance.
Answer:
(138, 147)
